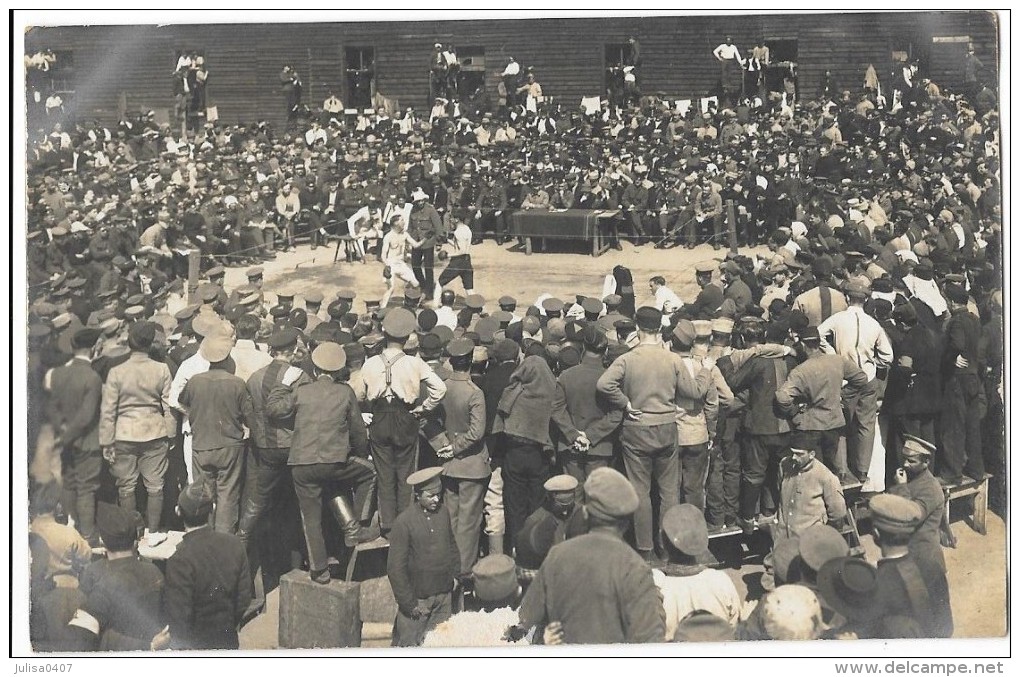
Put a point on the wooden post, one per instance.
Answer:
(731, 225)
(194, 259)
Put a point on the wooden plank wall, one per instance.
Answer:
(245, 60)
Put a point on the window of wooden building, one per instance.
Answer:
(471, 75)
(359, 76)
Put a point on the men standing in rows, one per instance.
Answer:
(136, 423)
(858, 337)
(646, 383)
(75, 394)
(388, 389)
(812, 396)
(328, 453)
(423, 562)
(466, 459)
(585, 419)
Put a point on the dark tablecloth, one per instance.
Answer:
(566, 225)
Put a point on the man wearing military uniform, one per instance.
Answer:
(913, 480)
(329, 447)
(491, 212)
(390, 384)
(466, 458)
(423, 562)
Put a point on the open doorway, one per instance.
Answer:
(359, 76)
(781, 74)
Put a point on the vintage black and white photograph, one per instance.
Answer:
(492, 330)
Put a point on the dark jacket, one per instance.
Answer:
(578, 407)
(914, 586)
(926, 491)
(218, 407)
(266, 432)
(75, 394)
(208, 589)
(328, 427)
(525, 408)
(761, 376)
(423, 558)
(126, 597)
(600, 589)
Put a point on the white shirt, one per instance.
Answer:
(446, 317)
(462, 240)
(196, 364)
(859, 337)
(667, 301)
(248, 359)
(512, 68)
(727, 52)
(313, 135)
(710, 590)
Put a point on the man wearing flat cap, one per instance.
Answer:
(686, 583)
(466, 458)
(910, 583)
(595, 585)
(560, 517)
(914, 480)
(423, 563)
(647, 383)
(124, 593)
(75, 393)
(328, 452)
(136, 423)
(220, 409)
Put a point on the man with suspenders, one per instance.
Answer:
(390, 383)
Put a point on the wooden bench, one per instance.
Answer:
(849, 531)
(969, 486)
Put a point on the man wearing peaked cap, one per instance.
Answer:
(219, 409)
(580, 415)
(559, 518)
(553, 307)
(686, 583)
(389, 385)
(914, 480)
(649, 433)
(75, 394)
(592, 309)
(329, 448)
(594, 584)
(466, 457)
(423, 561)
(910, 582)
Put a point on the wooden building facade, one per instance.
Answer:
(104, 70)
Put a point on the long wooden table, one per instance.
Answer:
(561, 224)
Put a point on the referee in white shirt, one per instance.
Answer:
(460, 261)
(857, 336)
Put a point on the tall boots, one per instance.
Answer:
(354, 533)
(495, 544)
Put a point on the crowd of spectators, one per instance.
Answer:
(883, 270)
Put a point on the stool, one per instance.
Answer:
(378, 544)
(978, 488)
